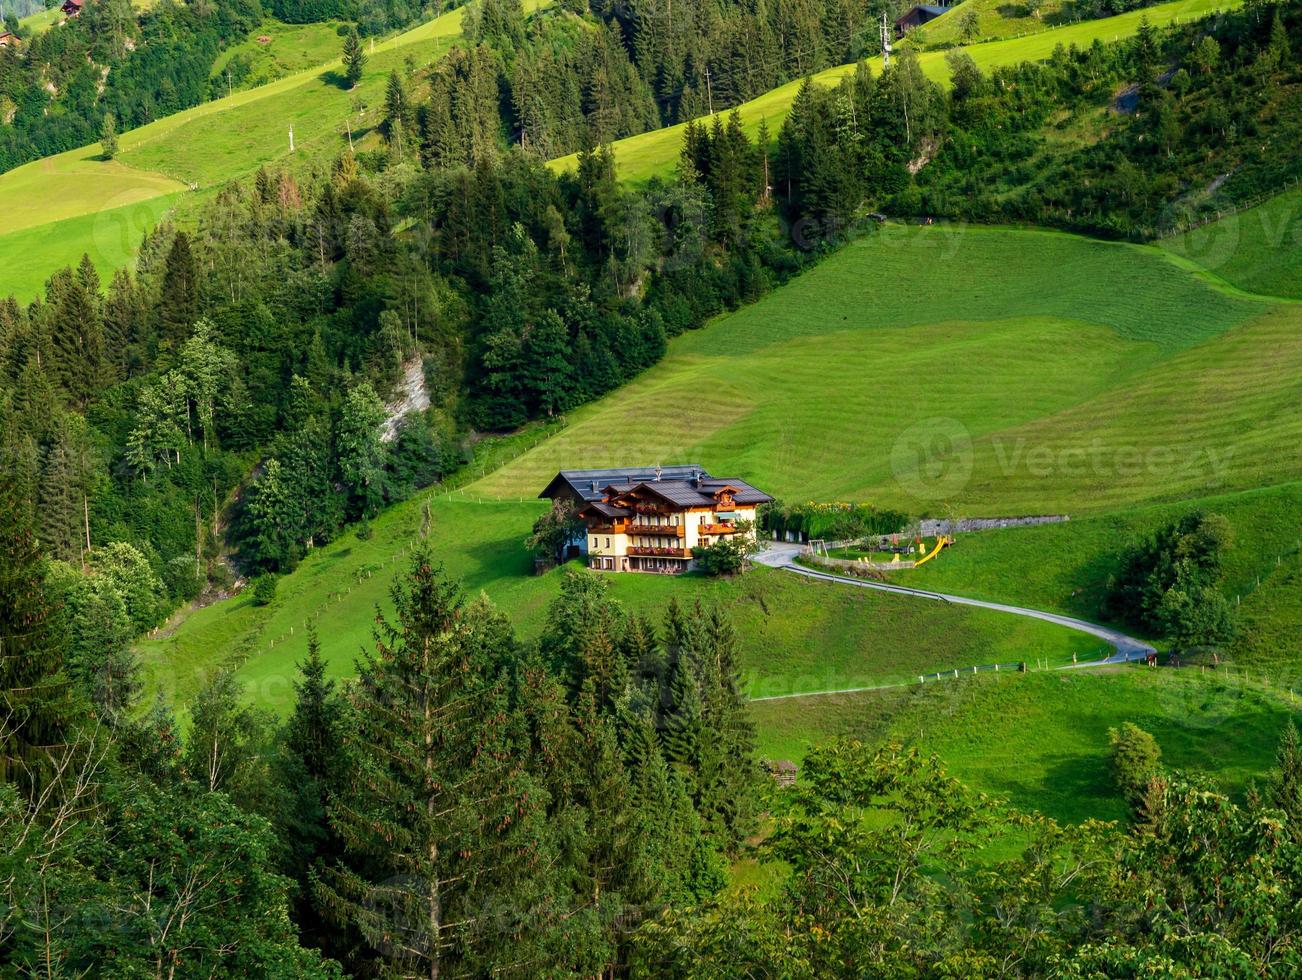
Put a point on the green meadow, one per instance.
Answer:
(1040, 741)
(1065, 567)
(111, 238)
(276, 50)
(1013, 384)
(996, 19)
(653, 154)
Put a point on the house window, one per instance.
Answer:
(608, 542)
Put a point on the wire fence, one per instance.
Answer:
(1183, 227)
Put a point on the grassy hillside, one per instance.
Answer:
(200, 148)
(1007, 383)
(276, 50)
(111, 237)
(653, 154)
(797, 635)
(1040, 739)
(1259, 250)
(996, 19)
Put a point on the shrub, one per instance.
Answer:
(1135, 759)
(264, 590)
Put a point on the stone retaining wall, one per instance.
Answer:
(934, 526)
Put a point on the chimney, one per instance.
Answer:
(594, 486)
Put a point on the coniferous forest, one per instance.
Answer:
(474, 803)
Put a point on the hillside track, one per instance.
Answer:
(1125, 648)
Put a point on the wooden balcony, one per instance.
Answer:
(664, 530)
(608, 529)
(718, 529)
(660, 552)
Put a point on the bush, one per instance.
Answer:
(728, 557)
(1169, 583)
(182, 578)
(264, 590)
(1135, 759)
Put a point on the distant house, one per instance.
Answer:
(916, 17)
(8, 40)
(642, 519)
(72, 7)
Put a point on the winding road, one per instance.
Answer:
(1125, 648)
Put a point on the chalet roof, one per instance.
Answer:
(682, 486)
(924, 11)
(592, 484)
(699, 493)
(605, 509)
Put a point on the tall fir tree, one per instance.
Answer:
(447, 857)
(178, 302)
(36, 703)
(77, 337)
(354, 58)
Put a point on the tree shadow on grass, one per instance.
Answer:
(1074, 787)
(494, 560)
(337, 79)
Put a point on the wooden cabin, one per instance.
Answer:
(916, 16)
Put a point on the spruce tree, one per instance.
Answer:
(179, 301)
(643, 657)
(311, 772)
(35, 697)
(125, 335)
(446, 863)
(729, 730)
(77, 337)
(612, 867)
(354, 58)
(681, 720)
(399, 123)
(314, 729)
(668, 824)
(582, 613)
